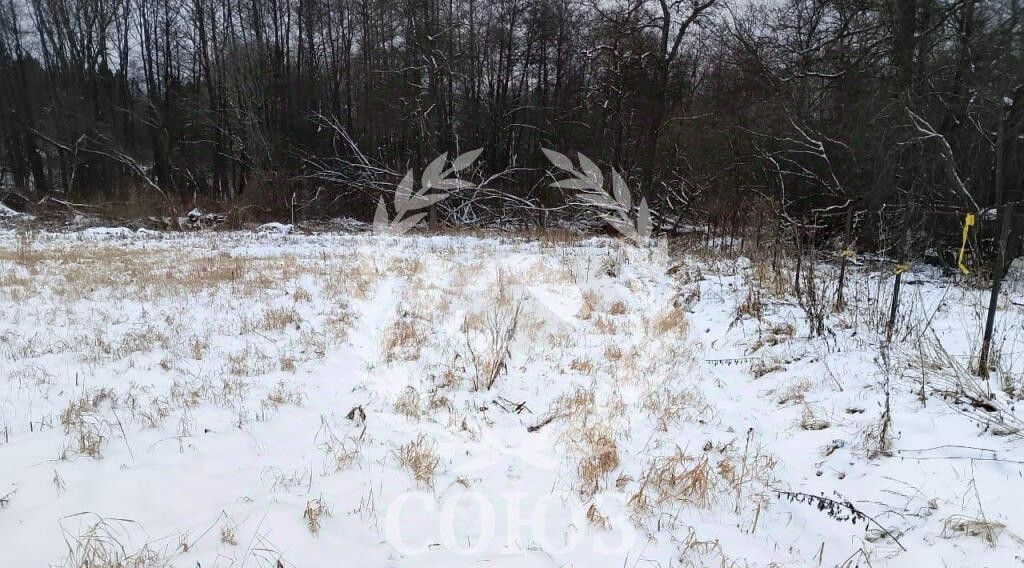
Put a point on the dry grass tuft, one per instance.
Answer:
(601, 457)
(680, 478)
(762, 367)
(794, 393)
(227, 535)
(667, 406)
(340, 453)
(420, 457)
(403, 340)
(301, 295)
(618, 308)
(605, 325)
(812, 420)
(774, 335)
(315, 510)
(582, 365)
(588, 304)
(104, 544)
(87, 432)
(408, 404)
(596, 519)
(282, 394)
(988, 531)
(668, 321)
(279, 319)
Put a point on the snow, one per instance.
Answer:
(185, 396)
(106, 233)
(278, 228)
(6, 211)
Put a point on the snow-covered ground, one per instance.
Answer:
(275, 399)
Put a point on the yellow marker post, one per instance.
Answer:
(968, 223)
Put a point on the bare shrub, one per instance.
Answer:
(499, 330)
(752, 306)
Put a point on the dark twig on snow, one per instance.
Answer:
(838, 510)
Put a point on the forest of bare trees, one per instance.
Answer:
(708, 107)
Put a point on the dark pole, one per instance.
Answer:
(1006, 212)
(901, 267)
(846, 257)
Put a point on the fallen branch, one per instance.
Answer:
(544, 422)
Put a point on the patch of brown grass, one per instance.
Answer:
(279, 319)
(420, 458)
(601, 457)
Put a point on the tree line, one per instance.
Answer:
(710, 106)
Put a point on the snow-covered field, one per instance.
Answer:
(242, 399)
